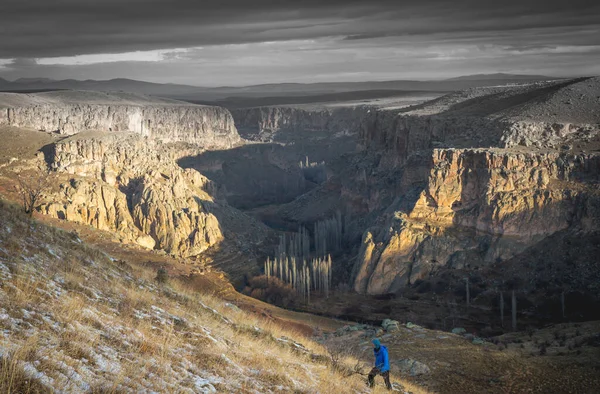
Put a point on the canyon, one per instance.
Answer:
(433, 214)
(423, 187)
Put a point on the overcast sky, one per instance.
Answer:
(243, 42)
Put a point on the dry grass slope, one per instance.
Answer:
(75, 320)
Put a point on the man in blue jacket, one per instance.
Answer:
(382, 365)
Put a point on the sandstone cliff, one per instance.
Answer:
(477, 207)
(98, 205)
(132, 185)
(75, 112)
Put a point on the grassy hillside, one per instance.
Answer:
(77, 320)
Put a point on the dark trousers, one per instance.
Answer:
(386, 377)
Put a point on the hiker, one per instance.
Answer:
(382, 365)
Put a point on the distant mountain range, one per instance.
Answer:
(279, 93)
(502, 77)
(119, 84)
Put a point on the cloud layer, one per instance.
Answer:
(216, 42)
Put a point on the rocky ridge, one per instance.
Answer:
(543, 115)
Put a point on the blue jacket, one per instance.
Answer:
(382, 360)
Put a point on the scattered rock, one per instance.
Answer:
(390, 325)
(352, 328)
(412, 367)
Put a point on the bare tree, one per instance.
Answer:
(501, 309)
(340, 353)
(468, 292)
(31, 187)
(514, 311)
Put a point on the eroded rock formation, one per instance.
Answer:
(138, 191)
(477, 207)
(99, 205)
(464, 208)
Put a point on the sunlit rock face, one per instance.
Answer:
(131, 184)
(169, 208)
(476, 207)
(98, 205)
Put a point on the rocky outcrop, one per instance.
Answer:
(412, 367)
(169, 207)
(98, 205)
(477, 207)
(136, 190)
(209, 127)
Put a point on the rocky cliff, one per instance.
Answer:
(130, 184)
(527, 166)
(262, 122)
(98, 205)
(74, 112)
(477, 207)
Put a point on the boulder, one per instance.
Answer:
(412, 367)
(390, 325)
(146, 241)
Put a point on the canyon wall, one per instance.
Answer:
(343, 120)
(131, 184)
(478, 206)
(209, 127)
(401, 134)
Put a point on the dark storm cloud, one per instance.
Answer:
(42, 28)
